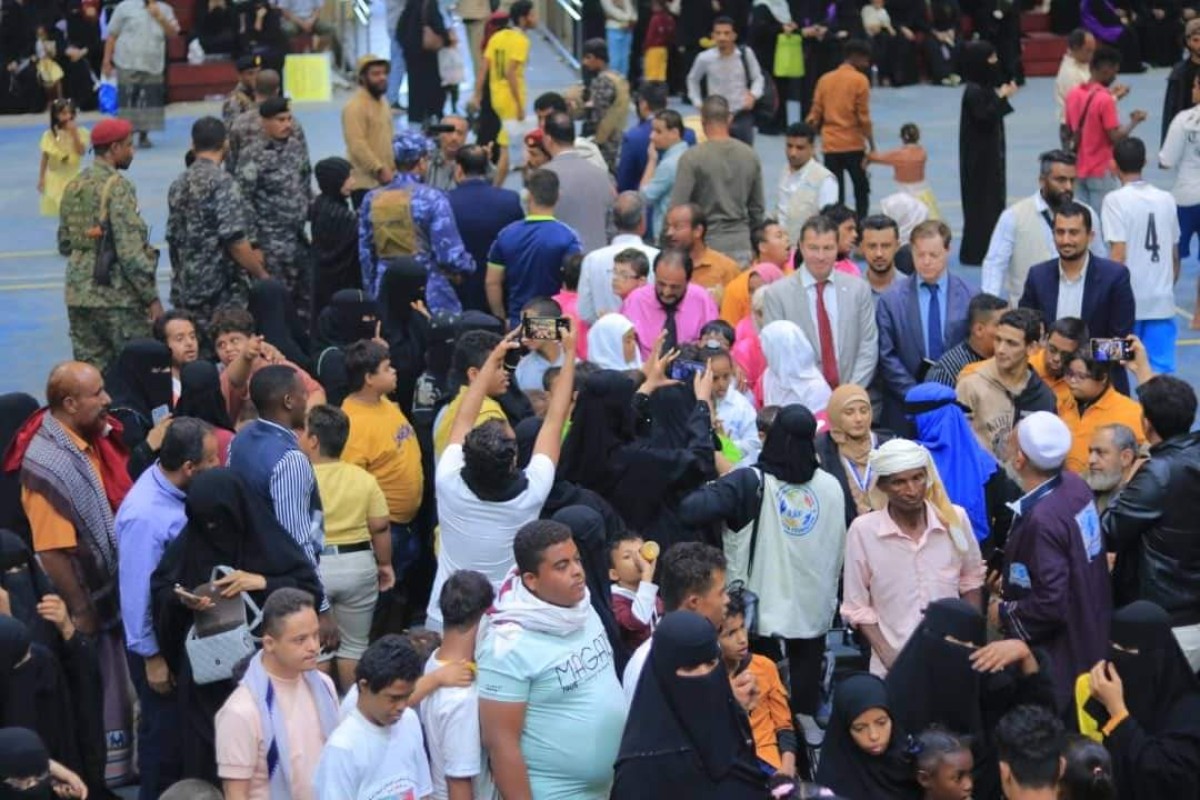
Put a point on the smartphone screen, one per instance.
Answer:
(1111, 350)
(684, 370)
(544, 329)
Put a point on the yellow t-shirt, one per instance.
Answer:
(384, 444)
(441, 436)
(507, 46)
(349, 497)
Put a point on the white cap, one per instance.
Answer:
(1045, 440)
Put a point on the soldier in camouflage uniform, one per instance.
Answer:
(209, 232)
(241, 99)
(104, 314)
(247, 126)
(275, 177)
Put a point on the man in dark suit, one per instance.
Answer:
(1078, 284)
(919, 318)
(481, 210)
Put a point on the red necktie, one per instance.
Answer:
(829, 365)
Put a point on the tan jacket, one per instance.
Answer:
(367, 127)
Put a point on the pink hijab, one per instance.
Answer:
(747, 351)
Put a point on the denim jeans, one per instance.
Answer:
(1092, 191)
(396, 74)
(406, 549)
(620, 41)
(159, 748)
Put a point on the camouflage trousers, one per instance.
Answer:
(98, 334)
(291, 265)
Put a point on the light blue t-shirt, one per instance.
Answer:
(574, 716)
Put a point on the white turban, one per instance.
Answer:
(900, 455)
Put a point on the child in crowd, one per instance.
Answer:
(660, 35)
(383, 443)
(471, 352)
(771, 719)
(49, 73)
(568, 299)
(541, 354)
(635, 599)
(717, 334)
(334, 232)
(356, 562)
(944, 765)
(631, 270)
(62, 149)
(908, 163)
(1088, 772)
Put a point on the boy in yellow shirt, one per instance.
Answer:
(356, 562)
(384, 444)
(471, 352)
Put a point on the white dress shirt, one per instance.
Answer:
(596, 295)
(831, 306)
(1070, 292)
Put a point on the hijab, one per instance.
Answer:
(932, 681)
(671, 713)
(768, 272)
(331, 174)
(402, 285)
(964, 466)
(855, 450)
(848, 769)
(201, 396)
(789, 452)
(22, 755)
(976, 67)
(15, 408)
(22, 577)
(350, 316)
(275, 317)
(587, 529)
(140, 378)
(606, 348)
(18, 674)
(791, 375)
(602, 422)
(1157, 676)
(779, 10)
(670, 410)
(906, 210)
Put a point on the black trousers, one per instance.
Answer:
(742, 127)
(804, 668)
(841, 163)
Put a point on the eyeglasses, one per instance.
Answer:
(1069, 375)
(625, 276)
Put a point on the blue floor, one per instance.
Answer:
(33, 329)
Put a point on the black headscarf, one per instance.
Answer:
(932, 681)
(334, 234)
(975, 66)
(602, 422)
(1158, 675)
(22, 755)
(15, 408)
(140, 378)
(200, 395)
(790, 452)
(275, 317)
(18, 674)
(331, 174)
(670, 409)
(22, 577)
(350, 317)
(402, 285)
(407, 332)
(848, 769)
(588, 531)
(686, 736)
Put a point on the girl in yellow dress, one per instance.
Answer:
(62, 148)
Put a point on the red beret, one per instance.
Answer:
(111, 130)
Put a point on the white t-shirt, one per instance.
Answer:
(1181, 149)
(633, 671)
(362, 761)
(1144, 217)
(450, 717)
(478, 534)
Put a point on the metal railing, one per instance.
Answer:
(562, 22)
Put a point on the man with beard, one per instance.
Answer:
(241, 99)
(367, 128)
(687, 230)
(442, 172)
(672, 303)
(1024, 234)
(880, 243)
(1096, 405)
(1112, 460)
(806, 186)
(74, 474)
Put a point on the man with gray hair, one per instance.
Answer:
(1113, 458)
(1054, 591)
(1024, 234)
(596, 295)
(724, 178)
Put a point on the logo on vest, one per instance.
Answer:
(799, 509)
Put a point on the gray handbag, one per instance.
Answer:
(221, 636)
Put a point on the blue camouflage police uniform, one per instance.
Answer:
(408, 218)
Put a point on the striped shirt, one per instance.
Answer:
(952, 362)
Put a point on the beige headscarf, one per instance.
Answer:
(855, 451)
(899, 455)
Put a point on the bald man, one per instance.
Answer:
(74, 474)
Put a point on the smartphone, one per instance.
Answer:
(160, 413)
(186, 595)
(513, 357)
(684, 370)
(544, 329)
(1111, 350)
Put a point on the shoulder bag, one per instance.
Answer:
(213, 654)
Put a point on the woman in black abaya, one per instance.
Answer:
(228, 527)
(139, 382)
(405, 328)
(23, 579)
(946, 676)
(862, 711)
(981, 148)
(350, 316)
(15, 408)
(686, 736)
(426, 97)
(1156, 748)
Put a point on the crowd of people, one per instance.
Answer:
(421, 486)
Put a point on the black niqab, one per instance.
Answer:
(588, 531)
(22, 754)
(276, 319)
(140, 378)
(331, 174)
(200, 394)
(22, 577)
(1157, 675)
(351, 316)
(975, 65)
(670, 409)
(686, 736)
(603, 421)
(790, 450)
(848, 769)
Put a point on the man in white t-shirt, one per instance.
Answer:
(450, 715)
(378, 751)
(482, 497)
(1141, 223)
(1180, 151)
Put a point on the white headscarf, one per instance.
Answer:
(901, 455)
(908, 211)
(791, 375)
(605, 346)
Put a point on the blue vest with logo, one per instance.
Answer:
(254, 454)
